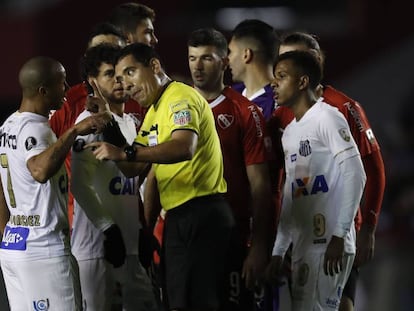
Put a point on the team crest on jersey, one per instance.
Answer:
(30, 143)
(225, 120)
(182, 117)
(305, 148)
(344, 134)
(78, 145)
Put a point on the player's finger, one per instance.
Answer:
(325, 266)
(92, 145)
(98, 93)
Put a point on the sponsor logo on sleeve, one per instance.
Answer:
(15, 238)
(182, 117)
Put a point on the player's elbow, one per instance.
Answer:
(40, 177)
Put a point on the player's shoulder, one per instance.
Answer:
(337, 98)
(237, 98)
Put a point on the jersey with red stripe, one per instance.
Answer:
(241, 128)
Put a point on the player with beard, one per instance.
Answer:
(106, 204)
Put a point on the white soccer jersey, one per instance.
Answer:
(313, 149)
(38, 227)
(103, 193)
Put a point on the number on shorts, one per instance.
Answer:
(234, 284)
(5, 164)
(319, 225)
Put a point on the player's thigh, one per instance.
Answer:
(305, 272)
(13, 286)
(351, 285)
(97, 283)
(330, 288)
(235, 294)
(137, 289)
(46, 284)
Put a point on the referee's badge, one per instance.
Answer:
(345, 134)
(30, 143)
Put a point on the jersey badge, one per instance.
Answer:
(15, 238)
(305, 148)
(225, 120)
(344, 134)
(30, 143)
(182, 117)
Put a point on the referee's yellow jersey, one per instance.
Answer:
(181, 107)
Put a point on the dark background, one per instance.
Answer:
(369, 47)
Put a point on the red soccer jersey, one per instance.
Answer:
(64, 118)
(241, 128)
(355, 116)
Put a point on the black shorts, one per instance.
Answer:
(351, 284)
(196, 239)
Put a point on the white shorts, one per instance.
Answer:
(97, 284)
(133, 290)
(137, 288)
(47, 284)
(312, 289)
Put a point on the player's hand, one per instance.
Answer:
(93, 103)
(114, 247)
(93, 124)
(254, 266)
(273, 272)
(333, 256)
(98, 102)
(148, 243)
(365, 245)
(106, 151)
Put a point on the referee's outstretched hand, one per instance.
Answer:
(114, 246)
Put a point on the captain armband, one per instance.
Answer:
(113, 135)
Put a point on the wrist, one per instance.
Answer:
(130, 153)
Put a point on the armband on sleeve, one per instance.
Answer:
(113, 135)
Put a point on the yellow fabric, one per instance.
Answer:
(181, 107)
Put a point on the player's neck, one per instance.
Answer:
(117, 108)
(211, 93)
(301, 106)
(257, 79)
(34, 106)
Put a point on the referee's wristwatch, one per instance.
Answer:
(130, 152)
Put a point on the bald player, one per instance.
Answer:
(38, 267)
